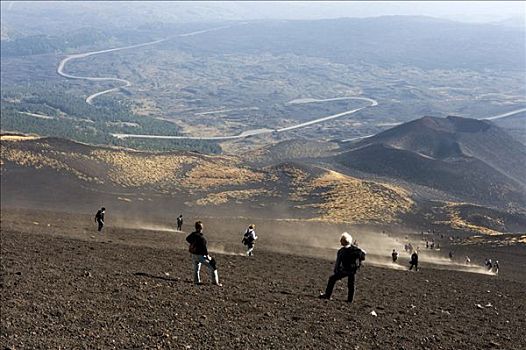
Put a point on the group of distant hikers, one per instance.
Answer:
(414, 258)
(492, 266)
(348, 259)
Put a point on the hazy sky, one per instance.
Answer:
(465, 11)
(471, 11)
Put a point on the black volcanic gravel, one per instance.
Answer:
(65, 288)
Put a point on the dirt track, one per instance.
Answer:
(64, 286)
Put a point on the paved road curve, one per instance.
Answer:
(123, 82)
(259, 131)
(248, 133)
(504, 115)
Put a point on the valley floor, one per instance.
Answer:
(65, 286)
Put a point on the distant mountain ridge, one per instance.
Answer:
(386, 41)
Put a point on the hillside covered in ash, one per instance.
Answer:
(455, 173)
(472, 160)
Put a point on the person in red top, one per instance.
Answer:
(200, 254)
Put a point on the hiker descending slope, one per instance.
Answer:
(414, 261)
(348, 261)
(200, 255)
(249, 239)
(180, 222)
(99, 218)
(394, 255)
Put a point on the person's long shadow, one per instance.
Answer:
(296, 294)
(164, 278)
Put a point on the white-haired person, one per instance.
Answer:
(348, 261)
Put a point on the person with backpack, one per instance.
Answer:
(249, 239)
(180, 222)
(197, 247)
(99, 218)
(348, 261)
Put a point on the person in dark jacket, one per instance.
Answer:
(489, 264)
(414, 261)
(348, 261)
(99, 218)
(200, 254)
(249, 239)
(394, 255)
(180, 222)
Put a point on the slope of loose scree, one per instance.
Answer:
(65, 286)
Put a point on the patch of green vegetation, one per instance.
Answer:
(40, 44)
(49, 110)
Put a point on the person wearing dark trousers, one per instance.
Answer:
(414, 261)
(249, 239)
(200, 255)
(99, 218)
(348, 261)
(394, 255)
(180, 222)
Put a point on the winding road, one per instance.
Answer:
(495, 117)
(124, 82)
(504, 115)
(254, 132)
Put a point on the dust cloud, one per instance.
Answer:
(141, 225)
(320, 242)
(380, 245)
(223, 249)
(316, 239)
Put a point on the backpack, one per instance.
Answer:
(361, 255)
(352, 258)
(247, 238)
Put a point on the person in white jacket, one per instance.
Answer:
(249, 239)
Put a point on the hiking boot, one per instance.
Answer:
(324, 296)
